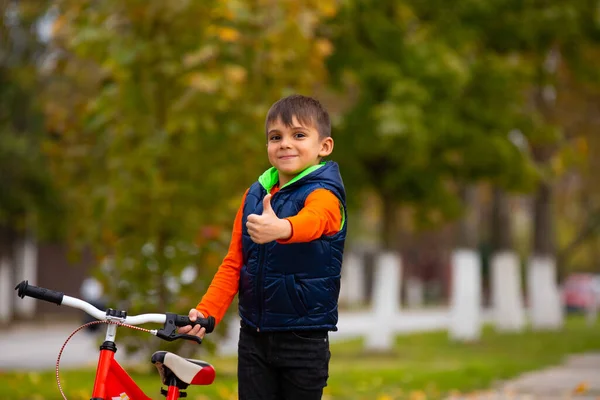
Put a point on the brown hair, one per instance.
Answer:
(307, 110)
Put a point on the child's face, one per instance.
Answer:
(293, 149)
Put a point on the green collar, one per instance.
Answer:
(270, 177)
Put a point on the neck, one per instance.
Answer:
(268, 179)
(283, 180)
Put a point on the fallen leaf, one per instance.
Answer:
(581, 388)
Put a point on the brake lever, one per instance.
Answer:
(168, 331)
(169, 337)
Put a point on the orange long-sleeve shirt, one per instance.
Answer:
(321, 215)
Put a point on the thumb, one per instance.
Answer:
(194, 314)
(267, 205)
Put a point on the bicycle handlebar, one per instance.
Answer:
(25, 289)
(59, 298)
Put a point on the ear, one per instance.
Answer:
(326, 147)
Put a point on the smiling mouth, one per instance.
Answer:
(286, 157)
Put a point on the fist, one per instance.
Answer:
(197, 330)
(267, 227)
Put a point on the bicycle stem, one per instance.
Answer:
(111, 333)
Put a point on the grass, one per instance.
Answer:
(421, 366)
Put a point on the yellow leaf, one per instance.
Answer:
(57, 25)
(227, 34)
(581, 388)
(235, 73)
(224, 392)
(384, 397)
(327, 8)
(324, 47)
(417, 395)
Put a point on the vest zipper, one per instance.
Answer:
(259, 286)
(261, 276)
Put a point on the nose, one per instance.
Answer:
(284, 143)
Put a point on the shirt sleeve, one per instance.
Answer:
(225, 283)
(321, 215)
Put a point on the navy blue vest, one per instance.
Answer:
(292, 286)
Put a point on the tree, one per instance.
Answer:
(527, 33)
(158, 128)
(433, 110)
(432, 118)
(29, 203)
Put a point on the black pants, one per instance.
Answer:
(282, 365)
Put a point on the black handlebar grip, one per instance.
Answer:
(25, 289)
(207, 323)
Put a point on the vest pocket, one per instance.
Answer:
(292, 290)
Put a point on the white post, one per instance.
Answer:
(7, 292)
(26, 269)
(507, 297)
(228, 345)
(591, 312)
(353, 280)
(544, 297)
(386, 295)
(415, 292)
(465, 308)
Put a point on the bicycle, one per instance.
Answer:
(112, 381)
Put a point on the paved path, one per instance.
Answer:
(578, 378)
(36, 347)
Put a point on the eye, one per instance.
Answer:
(274, 138)
(300, 135)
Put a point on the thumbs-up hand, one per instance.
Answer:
(267, 227)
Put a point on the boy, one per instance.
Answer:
(285, 260)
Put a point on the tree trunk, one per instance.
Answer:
(388, 224)
(465, 302)
(544, 297)
(386, 294)
(352, 291)
(501, 235)
(387, 281)
(7, 274)
(507, 298)
(544, 243)
(468, 226)
(26, 268)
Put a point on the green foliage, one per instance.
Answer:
(435, 106)
(28, 199)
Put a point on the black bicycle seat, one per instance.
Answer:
(188, 371)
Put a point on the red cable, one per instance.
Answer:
(77, 330)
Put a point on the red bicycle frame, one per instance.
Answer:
(112, 382)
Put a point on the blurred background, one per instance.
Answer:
(468, 137)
